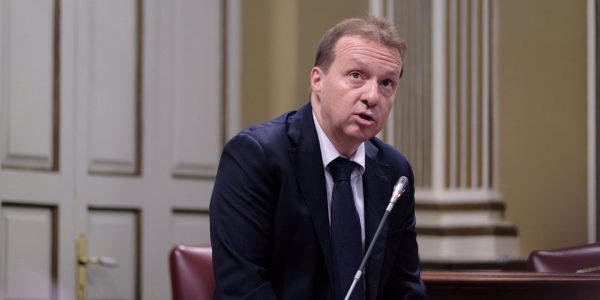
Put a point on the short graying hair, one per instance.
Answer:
(370, 28)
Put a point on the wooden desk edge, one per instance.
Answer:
(474, 278)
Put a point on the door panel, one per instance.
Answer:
(28, 251)
(27, 74)
(114, 233)
(197, 68)
(190, 228)
(111, 81)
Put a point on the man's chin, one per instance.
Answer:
(361, 136)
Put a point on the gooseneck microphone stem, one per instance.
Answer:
(398, 190)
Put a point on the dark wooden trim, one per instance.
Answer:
(56, 89)
(499, 206)
(452, 279)
(54, 249)
(195, 211)
(597, 52)
(224, 72)
(510, 285)
(113, 208)
(468, 231)
(508, 265)
(138, 258)
(195, 177)
(139, 91)
(55, 255)
(13, 203)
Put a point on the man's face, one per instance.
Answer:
(353, 98)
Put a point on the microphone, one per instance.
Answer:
(398, 190)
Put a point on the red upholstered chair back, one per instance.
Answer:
(191, 273)
(583, 258)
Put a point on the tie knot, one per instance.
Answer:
(341, 169)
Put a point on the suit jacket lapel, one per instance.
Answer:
(377, 190)
(305, 155)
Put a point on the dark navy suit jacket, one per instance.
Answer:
(269, 218)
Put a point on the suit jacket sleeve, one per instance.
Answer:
(241, 218)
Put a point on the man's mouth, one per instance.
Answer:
(365, 117)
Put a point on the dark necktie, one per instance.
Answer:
(345, 230)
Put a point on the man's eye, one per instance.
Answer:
(355, 75)
(387, 82)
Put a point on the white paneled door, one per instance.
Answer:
(112, 118)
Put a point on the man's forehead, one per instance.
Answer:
(354, 46)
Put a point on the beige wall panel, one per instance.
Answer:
(541, 88)
(27, 245)
(26, 83)
(197, 107)
(114, 234)
(190, 228)
(314, 18)
(111, 86)
(279, 40)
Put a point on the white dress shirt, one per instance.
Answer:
(329, 153)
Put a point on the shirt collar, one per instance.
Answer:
(329, 153)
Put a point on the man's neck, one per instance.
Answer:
(329, 151)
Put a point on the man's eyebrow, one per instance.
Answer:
(355, 63)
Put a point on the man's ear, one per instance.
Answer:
(316, 79)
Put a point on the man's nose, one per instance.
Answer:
(371, 94)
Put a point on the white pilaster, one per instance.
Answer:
(591, 119)
(445, 125)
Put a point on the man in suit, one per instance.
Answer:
(280, 228)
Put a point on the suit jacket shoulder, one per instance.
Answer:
(269, 215)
